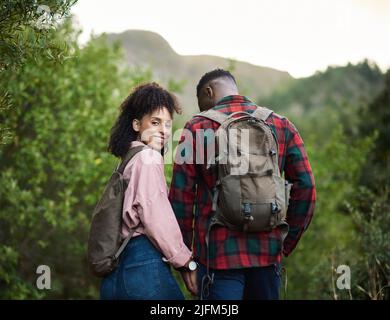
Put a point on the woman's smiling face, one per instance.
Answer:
(154, 129)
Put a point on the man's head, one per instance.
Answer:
(213, 86)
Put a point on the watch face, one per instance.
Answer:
(192, 265)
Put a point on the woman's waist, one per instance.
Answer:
(133, 223)
(140, 250)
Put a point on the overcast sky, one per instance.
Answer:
(298, 36)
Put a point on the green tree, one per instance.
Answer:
(350, 160)
(56, 165)
(330, 238)
(376, 119)
(25, 27)
(370, 206)
(371, 215)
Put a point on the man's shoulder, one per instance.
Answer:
(197, 122)
(281, 122)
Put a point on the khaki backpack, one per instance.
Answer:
(250, 194)
(105, 242)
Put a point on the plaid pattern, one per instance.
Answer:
(192, 204)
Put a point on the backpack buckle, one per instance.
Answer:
(272, 152)
(274, 208)
(247, 212)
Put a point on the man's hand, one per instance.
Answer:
(190, 280)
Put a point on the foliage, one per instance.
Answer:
(370, 206)
(376, 118)
(352, 84)
(56, 164)
(330, 237)
(25, 33)
(24, 28)
(371, 216)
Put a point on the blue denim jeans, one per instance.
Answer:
(141, 275)
(257, 283)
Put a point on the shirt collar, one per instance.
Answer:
(136, 143)
(233, 99)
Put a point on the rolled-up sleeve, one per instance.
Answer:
(155, 211)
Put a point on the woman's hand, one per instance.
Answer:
(190, 279)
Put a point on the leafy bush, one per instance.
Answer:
(56, 165)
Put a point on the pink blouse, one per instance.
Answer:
(146, 204)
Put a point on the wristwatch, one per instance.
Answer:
(192, 266)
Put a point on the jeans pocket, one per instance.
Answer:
(141, 280)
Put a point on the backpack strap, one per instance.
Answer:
(121, 167)
(243, 113)
(129, 155)
(124, 243)
(213, 115)
(262, 113)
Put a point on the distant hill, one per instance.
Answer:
(343, 89)
(337, 96)
(148, 49)
(335, 88)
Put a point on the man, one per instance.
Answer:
(243, 265)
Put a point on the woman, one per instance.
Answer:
(144, 272)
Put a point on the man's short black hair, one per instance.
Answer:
(214, 74)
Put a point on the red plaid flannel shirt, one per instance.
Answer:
(192, 204)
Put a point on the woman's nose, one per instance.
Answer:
(161, 129)
(165, 130)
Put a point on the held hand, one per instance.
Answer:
(190, 280)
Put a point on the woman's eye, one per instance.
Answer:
(155, 123)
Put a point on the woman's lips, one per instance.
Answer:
(158, 139)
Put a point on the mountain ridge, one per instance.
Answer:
(147, 49)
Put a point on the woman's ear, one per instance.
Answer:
(136, 125)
